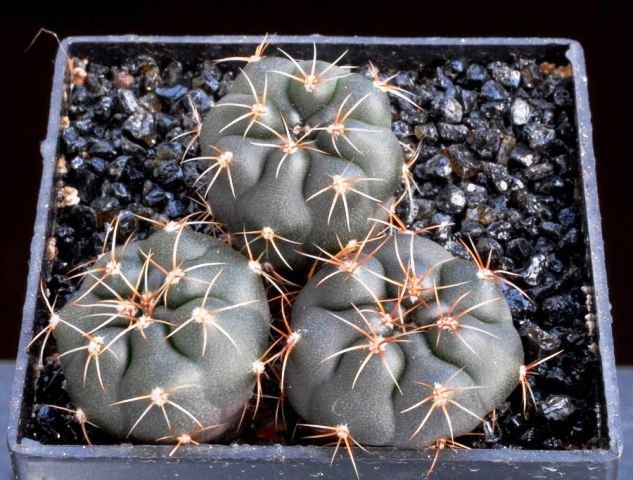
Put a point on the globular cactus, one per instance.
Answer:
(402, 344)
(299, 154)
(163, 336)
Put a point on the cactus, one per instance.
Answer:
(299, 154)
(404, 346)
(160, 341)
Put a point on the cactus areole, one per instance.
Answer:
(410, 347)
(302, 150)
(161, 338)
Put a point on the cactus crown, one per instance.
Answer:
(300, 152)
(419, 346)
(157, 341)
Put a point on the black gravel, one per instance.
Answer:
(498, 162)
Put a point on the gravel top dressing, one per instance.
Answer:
(498, 162)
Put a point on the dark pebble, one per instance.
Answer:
(171, 93)
(425, 208)
(475, 194)
(438, 166)
(559, 307)
(150, 103)
(451, 199)
(535, 270)
(476, 74)
(426, 133)
(557, 407)
(455, 66)
(552, 229)
(127, 102)
(538, 136)
(131, 147)
(153, 195)
(200, 101)
(165, 122)
(522, 156)
(73, 141)
(520, 111)
(486, 141)
(542, 342)
(539, 171)
(447, 109)
(401, 129)
(452, 133)
(463, 161)
(209, 78)
(519, 248)
(491, 90)
(468, 99)
(121, 192)
(116, 167)
(175, 209)
(168, 173)
(505, 75)
(105, 204)
(103, 148)
(172, 74)
(140, 126)
(104, 108)
(128, 223)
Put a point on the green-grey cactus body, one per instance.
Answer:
(461, 355)
(161, 337)
(324, 189)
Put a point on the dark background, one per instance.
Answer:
(602, 28)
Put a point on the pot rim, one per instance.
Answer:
(278, 453)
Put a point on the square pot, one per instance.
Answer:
(124, 461)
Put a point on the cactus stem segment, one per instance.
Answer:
(342, 436)
(438, 446)
(275, 279)
(79, 416)
(485, 272)
(53, 321)
(376, 345)
(113, 266)
(184, 438)
(384, 86)
(94, 348)
(255, 111)
(205, 317)
(270, 236)
(159, 397)
(450, 321)
(341, 186)
(526, 371)
(289, 144)
(337, 128)
(194, 132)
(408, 181)
(255, 57)
(441, 397)
(220, 162)
(311, 80)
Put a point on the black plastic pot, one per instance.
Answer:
(124, 461)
